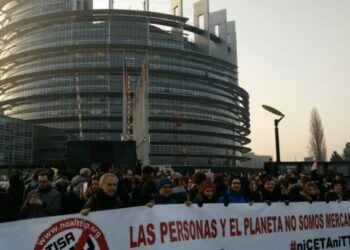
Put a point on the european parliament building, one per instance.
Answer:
(65, 65)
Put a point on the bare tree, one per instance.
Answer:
(346, 152)
(317, 143)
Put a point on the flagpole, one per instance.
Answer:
(124, 133)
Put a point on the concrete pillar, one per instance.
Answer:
(176, 6)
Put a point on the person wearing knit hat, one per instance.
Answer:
(165, 187)
(163, 182)
(206, 193)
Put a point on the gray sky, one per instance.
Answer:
(292, 55)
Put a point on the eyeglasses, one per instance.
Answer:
(167, 186)
(236, 183)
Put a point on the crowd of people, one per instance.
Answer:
(50, 192)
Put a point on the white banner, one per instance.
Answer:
(298, 226)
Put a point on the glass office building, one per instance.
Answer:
(22, 143)
(62, 66)
(16, 142)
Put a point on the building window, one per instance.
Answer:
(201, 21)
(229, 39)
(79, 5)
(217, 30)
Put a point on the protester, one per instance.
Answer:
(128, 178)
(33, 182)
(106, 197)
(80, 180)
(234, 194)
(339, 177)
(43, 201)
(7, 209)
(61, 185)
(206, 193)
(310, 192)
(92, 187)
(191, 188)
(197, 178)
(164, 197)
(220, 181)
(336, 193)
(269, 193)
(48, 199)
(254, 195)
(70, 202)
(295, 187)
(146, 190)
(178, 191)
(123, 191)
(16, 191)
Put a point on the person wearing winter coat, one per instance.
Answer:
(146, 189)
(106, 197)
(7, 211)
(206, 193)
(269, 191)
(253, 194)
(164, 197)
(310, 192)
(293, 190)
(43, 201)
(234, 194)
(336, 193)
(178, 191)
(78, 181)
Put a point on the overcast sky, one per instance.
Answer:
(292, 55)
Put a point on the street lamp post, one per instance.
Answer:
(276, 112)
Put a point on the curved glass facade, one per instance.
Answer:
(198, 115)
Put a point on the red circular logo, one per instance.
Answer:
(72, 234)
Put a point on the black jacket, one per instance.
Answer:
(200, 199)
(100, 201)
(273, 196)
(7, 211)
(51, 204)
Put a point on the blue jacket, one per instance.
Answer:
(232, 197)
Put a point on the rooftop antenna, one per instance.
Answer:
(78, 100)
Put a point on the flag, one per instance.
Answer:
(125, 102)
